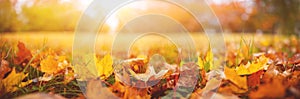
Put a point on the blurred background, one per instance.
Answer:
(236, 16)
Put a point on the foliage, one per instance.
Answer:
(8, 17)
(264, 73)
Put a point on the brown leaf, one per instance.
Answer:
(23, 54)
(254, 79)
(4, 68)
(295, 59)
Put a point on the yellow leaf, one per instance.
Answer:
(207, 62)
(53, 64)
(250, 68)
(49, 65)
(13, 81)
(209, 55)
(235, 78)
(200, 63)
(104, 67)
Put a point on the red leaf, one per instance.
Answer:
(23, 54)
(254, 79)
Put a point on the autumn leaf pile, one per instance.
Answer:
(252, 69)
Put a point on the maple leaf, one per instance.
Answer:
(253, 67)
(53, 64)
(232, 75)
(254, 79)
(23, 54)
(13, 81)
(49, 65)
(207, 62)
(104, 67)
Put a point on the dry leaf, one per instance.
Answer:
(206, 63)
(136, 93)
(118, 89)
(231, 88)
(23, 54)
(4, 68)
(265, 91)
(52, 64)
(254, 79)
(104, 67)
(49, 65)
(253, 67)
(14, 80)
(295, 59)
(235, 78)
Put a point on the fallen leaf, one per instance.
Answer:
(295, 59)
(14, 80)
(136, 93)
(206, 63)
(149, 73)
(104, 67)
(230, 88)
(232, 75)
(249, 68)
(4, 68)
(49, 65)
(265, 92)
(23, 54)
(254, 79)
(118, 89)
(53, 64)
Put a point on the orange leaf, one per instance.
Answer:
(274, 89)
(49, 65)
(254, 79)
(232, 75)
(23, 54)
